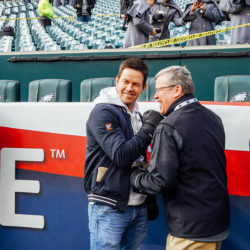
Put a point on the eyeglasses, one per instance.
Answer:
(157, 90)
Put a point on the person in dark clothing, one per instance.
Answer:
(187, 165)
(117, 139)
(125, 5)
(83, 9)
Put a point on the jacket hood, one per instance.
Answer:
(138, 8)
(170, 3)
(110, 95)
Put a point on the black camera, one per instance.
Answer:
(158, 18)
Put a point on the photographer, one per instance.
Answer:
(163, 12)
(125, 5)
(139, 27)
(202, 14)
(83, 9)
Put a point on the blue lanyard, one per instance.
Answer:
(185, 103)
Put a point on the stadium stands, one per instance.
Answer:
(66, 33)
(232, 88)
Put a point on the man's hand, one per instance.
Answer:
(156, 31)
(153, 32)
(194, 7)
(150, 121)
(202, 6)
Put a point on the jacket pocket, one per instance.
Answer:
(101, 171)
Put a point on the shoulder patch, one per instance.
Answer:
(109, 126)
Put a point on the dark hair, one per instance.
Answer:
(137, 64)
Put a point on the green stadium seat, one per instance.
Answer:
(90, 88)
(149, 92)
(228, 88)
(9, 91)
(50, 90)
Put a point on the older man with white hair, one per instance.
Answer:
(187, 165)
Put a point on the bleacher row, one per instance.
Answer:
(60, 90)
(103, 31)
(226, 88)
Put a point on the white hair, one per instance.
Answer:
(178, 75)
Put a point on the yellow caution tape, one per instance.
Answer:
(29, 18)
(69, 17)
(156, 44)
(181, 39)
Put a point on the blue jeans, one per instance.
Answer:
(112, 229)
(84, 18)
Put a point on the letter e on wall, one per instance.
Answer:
(9, 186)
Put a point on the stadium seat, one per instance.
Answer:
(50, 90)
(149, 92)
(90, 88)
(9, 91)
(228, 87)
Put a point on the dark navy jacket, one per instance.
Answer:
(112, 147)
(188, 167)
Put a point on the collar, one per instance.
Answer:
(182, 101)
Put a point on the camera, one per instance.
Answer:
(201, 11)
(158, 18)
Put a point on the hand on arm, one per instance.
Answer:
(150, 120)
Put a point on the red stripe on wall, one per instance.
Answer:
(238, 172)
(221, 103)
(238, 162)
(53, 145)
(225, 103)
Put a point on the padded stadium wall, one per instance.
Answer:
(205, 64)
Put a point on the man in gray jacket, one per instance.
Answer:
(202, 14)
(139, 27)
(239, 14)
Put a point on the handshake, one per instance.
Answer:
(150, 121)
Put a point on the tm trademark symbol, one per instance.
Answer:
(57, 153)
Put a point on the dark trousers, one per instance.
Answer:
(45, 21)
